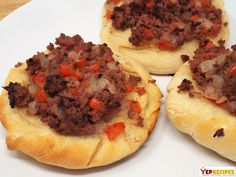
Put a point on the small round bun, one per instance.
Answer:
(209, 125)
(156, 61)
(29, 135)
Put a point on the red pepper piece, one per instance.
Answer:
(231, 69)
(209, 45)
(129, 87)
(95, 67)
(114, 130)
(78, 75)
(41, 96)
(95, 104)
(135, 106)
(141, 90)
(194, 18)
(164, 45)
(81, 63)
(66, 70)
(40, 79)
(150, 4)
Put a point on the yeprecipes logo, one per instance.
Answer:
(218, 171)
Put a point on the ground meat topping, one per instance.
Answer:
(166, 24)
(73, 87)
(214, 70)
(219, 133)
(186, 85)
(18, 95)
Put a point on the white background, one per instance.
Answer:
(168, 153)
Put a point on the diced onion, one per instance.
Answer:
(218, 81)
(33, 89)
(32, 108)
(74, 55)
(112, 66)
(207, 65)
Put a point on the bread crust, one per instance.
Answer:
(156, 61)
(29, 135)
(200, 118)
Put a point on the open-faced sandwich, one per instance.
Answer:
(76, 107)
(156, 33)
(201, 99)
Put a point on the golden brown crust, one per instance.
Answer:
(199, 118)
(30, 136)
(156, 61)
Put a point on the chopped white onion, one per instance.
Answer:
(74, 55)
(218, 81)
(207, 65)
(32, 108)
(112, 66)
(33, 89)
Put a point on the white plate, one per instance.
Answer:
(168, 153)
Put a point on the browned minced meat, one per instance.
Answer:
(67, 79)
(18, 64)
(186, 85)
(18, 95)
(184, 58)
(54, 84)
(214, 70)
(134, 80)
(219, 133)
(168, 24)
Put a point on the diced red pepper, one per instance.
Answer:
(81, 63)
(164, 45)
(78, 75)
(108, 15)
(95, 104)
(141, 90)
(77, 49)
(40, 79)
(95, 67)
(116, 2)
(209, 45)
(114, 130)
(40, 96)
(231, 69)
(150, 4)
(194, 18)
(66, 70)
(129, 87)
(74, 91)
(135, 106)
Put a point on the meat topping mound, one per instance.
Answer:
(214, 70)
(73, 87)
(167, 24)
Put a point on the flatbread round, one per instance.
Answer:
(156, 61)
(200, 118)
(29, 135)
